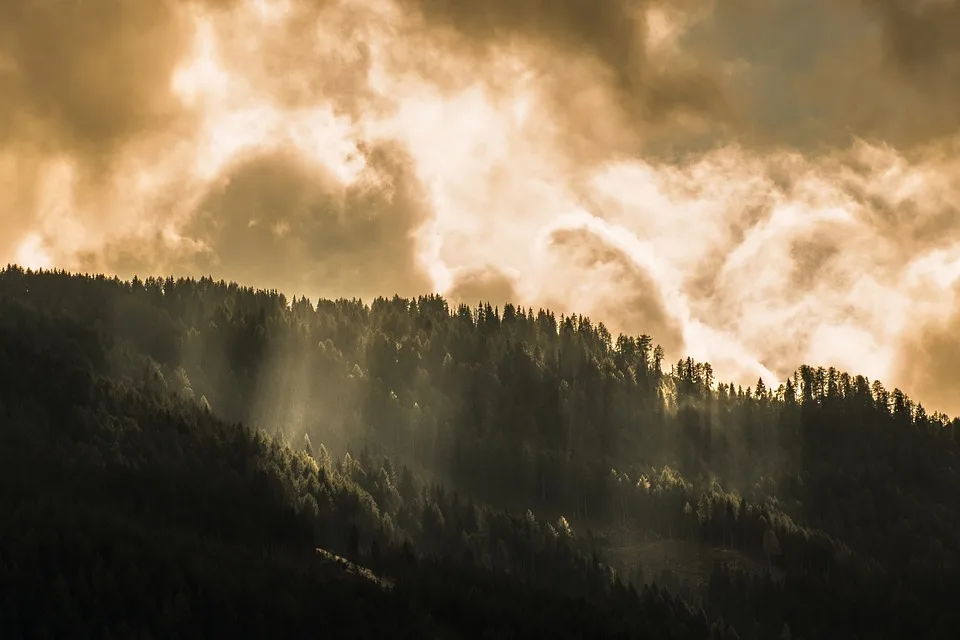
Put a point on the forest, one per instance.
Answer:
(195, 458)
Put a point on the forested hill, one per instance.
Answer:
(174, 451)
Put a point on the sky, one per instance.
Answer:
(756, 183)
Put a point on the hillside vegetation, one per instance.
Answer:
(198, 458)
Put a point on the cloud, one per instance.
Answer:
(930, 358)
(920, 38)
(926, 356)
(605, 60)
(85, 105)
(296, 53)
(280, 221)
(594, 274)
(815, 74)
(926, 361)
(484, 284)
(85, 77)
(80, 80)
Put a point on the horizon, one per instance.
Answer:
(775, 387)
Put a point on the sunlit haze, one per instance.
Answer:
(756, 183)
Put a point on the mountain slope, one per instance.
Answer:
(507, 470)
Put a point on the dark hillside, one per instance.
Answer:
(508, 472)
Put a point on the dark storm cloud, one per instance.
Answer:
(609, 30)
(277, 221)
(485, 284)
(612, 32)
(806, 74)
(927, 363)
(815, 74)
(921, 38)
(84, 77)
(82, 80)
